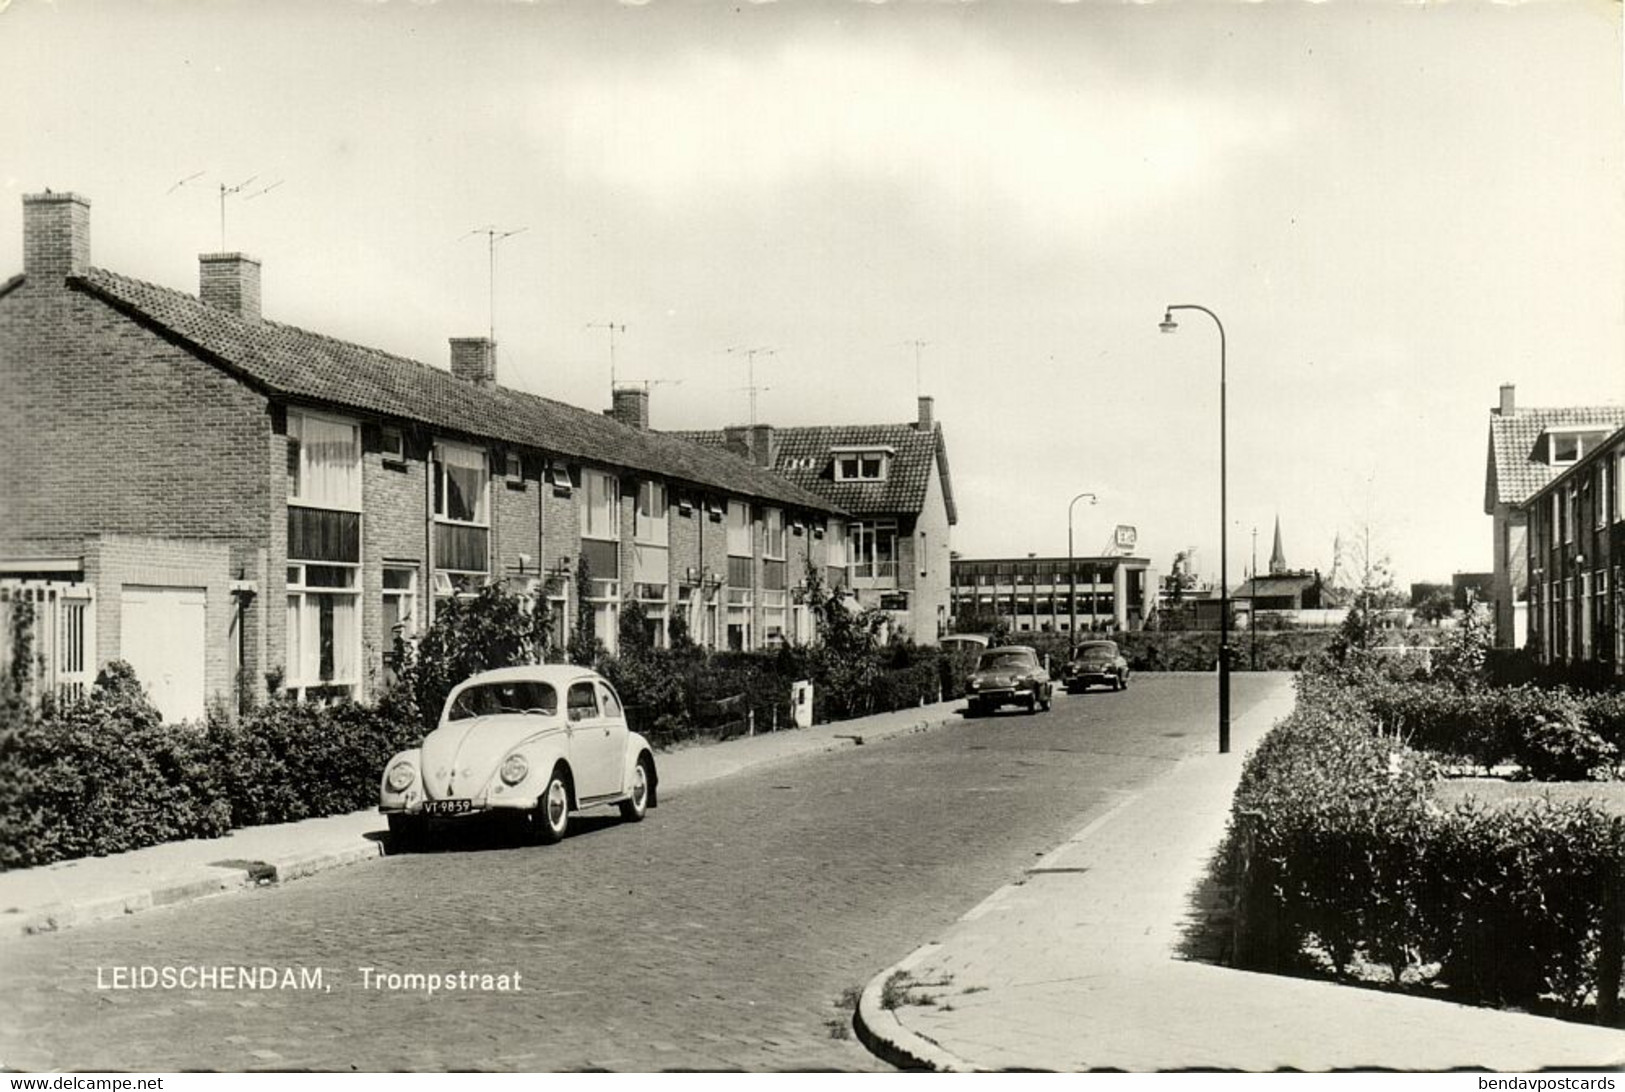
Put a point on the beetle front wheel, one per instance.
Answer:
(636, 805)
(553, 810)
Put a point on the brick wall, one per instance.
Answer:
(111, 429)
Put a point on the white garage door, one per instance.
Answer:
(163, 638)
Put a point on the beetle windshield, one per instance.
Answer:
(1005, 661)
(519, 696)
(1096, 649)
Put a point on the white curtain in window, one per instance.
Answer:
(330, 461)
(603, 499)
(465, 477)
(652, 525)
(345, 639)
(739, 544)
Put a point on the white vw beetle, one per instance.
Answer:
(534, 743)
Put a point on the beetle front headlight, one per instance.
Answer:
(401, 776)
(514, 769)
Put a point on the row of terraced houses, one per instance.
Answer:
(233, 504)
(1555, 487)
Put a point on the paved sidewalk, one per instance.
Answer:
(71, 893)
(1075, 967)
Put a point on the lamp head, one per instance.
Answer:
(1168, 325)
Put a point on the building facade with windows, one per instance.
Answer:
(892, 550)
(1576, 562)
(235, 505)
(1528, 449)
(1035, 594)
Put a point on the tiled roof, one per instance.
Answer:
(1512, 474)
(1277, 584)
(803, 456)
(295, 363)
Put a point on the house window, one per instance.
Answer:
(558, 611)
(739, 544)
(1565, 447)
(1568, 514)
(1557, 518)
(1619, 487)
(324, 635)
(1585, 608)
(835, 544)
(400, 611)
(324, 461)
(1602, 494)
(874, 550)
(461, 481)
(773, 533)
(600, 506)
(513, 468)
(775, 606)
(861, 466)
(650, 524)
(392, 445)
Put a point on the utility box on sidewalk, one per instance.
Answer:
(801, 703)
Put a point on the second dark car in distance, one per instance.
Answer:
(1095, 663)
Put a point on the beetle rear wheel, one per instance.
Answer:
(636, 806)
(553, 810)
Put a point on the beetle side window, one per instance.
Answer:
(612, 704)
(583, 702)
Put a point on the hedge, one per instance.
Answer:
(1342, 854)
(104, 775)
(1550, 734)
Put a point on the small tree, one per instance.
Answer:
(584, 646)
(634, 630)
(1435, 608)
(490, 629)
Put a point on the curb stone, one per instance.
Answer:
(885, 1036)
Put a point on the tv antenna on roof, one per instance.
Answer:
(225, 192)
(613, 328)
(231, 191)
(918, 345)
(493, 236)
(750, 373)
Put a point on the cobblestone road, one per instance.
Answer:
(730, 931)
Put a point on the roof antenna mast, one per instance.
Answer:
(613, 328)
(750, 374)
(493, 236)
(919, 388)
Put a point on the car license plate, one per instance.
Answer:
(447, 807)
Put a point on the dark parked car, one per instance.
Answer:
(1095, 663)
(1013, 675)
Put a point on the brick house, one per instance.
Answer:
(1576, 561)
(231, 503)
(894, 483)
(1528, 448)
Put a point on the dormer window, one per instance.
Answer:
(862, 464)
(1567, 446)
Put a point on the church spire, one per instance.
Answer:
(1278, 555)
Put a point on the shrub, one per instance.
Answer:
(1351, 858)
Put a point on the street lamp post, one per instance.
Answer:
(1168, 326)
(1072, 576)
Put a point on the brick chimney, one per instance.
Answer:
(1509, 404)
(631, 406)
(927, 418)
(474, 360)
(230, 282)
(761, 445)
(56, 235)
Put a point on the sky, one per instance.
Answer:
(1393, 209)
